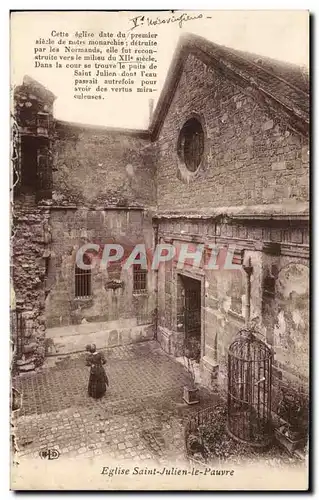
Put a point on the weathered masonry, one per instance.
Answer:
(225, 161)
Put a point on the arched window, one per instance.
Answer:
(83, 280)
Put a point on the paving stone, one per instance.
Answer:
(139, 418)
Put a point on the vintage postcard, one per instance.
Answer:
(159, 250)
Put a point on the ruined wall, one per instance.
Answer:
(33, 115)
(29, 245)
(96, 167)
(250, 157)
(70, 230)
(33, 127)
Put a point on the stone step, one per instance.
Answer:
(86, 328)
(104, 338)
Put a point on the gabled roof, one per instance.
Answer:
(283, 87)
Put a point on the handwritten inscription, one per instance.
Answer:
(139, 21)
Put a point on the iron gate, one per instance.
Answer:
(192, 312)
(192, 317)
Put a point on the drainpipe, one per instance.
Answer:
(248, 268)
(155, 227)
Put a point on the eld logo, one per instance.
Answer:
(49, 454)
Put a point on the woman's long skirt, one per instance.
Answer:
(97, 382)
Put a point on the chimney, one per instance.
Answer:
(150, 109)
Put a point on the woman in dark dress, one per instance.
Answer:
(98, 380)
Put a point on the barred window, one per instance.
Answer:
(83, 280)
(139, 278)
(191, 144)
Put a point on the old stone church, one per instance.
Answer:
(224, 161)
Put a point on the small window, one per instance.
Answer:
(191, 144)
(43, 120)
(29, 173)
(139, 278)
(83, 280)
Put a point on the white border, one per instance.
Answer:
(312, 6)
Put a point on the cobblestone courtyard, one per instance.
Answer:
(141, 416)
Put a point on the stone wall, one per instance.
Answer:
(29, 246)
(33, 114)
(100, 177)
(250, 157)
(254, 163)
(279, 294)
(96, 167)
(72, 228)
(86, 170)
(31, 184)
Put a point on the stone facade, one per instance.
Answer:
(252, 157)
(250, 191)
(279, 293)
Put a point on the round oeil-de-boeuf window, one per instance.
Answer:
(191, 144)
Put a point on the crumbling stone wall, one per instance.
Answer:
(33, 113)
(85, 170)
(97, 167)
(29, 244)
(251, 158)
(34, 124)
